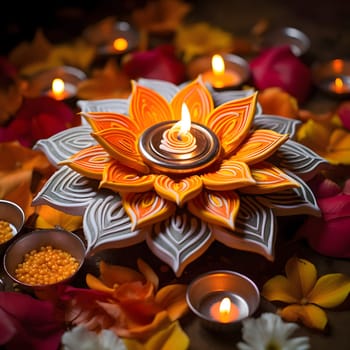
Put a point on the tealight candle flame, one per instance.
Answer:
(185, 122)
(338, 85)
(225, 306)
(57, 87)
(218, 65)
(225, 311)
(120, 44)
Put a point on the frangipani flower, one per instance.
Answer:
(127, 301)
(306, 293)
(233, 199)
(270, 332)
(329, 140)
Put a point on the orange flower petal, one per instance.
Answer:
(147, 208)
(259, 145)
(219, 208)
(173, 299)
(89, 161)
(231, 175)
(95, 283)
(116, 274)
(147, 107)
(121, 144)
(198, 100)
(269, 178)
(302, 275)
(148, 272)
(310, 315)
(120, 178)
(179, 191)
(279, 288)
(104, 120)
(134, 291)
(330, 290)
(232, 121)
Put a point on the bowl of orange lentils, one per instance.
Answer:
(12, 219)
(44, 258)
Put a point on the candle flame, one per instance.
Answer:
(225, 306)
(185, 123)
(57, 86)
(217, 64)
(339, 84)
(120, 44)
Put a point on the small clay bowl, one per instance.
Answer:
(57, 238)
(13, 214)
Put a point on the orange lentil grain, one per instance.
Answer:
(6, 231)
(46, 265)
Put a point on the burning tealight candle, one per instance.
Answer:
(222, 299)
(338, 86)
(224, 310)
(179, 146)
(219, 76)
(61, 90)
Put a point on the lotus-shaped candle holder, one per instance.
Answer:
(246, 170)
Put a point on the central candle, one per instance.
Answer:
(165, 149)
(224, 310)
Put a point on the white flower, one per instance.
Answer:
(79, 338)
(269, 332)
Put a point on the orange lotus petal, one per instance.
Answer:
(259, 145)
(148, 272)
(121, 144)
(197, 98)
(269, 178)
(219, 208)
(134, 291)
(116, 274)
(179, 191)
(231, 122)
(310, 315)
(95, 283)
(147, 208)
(106, 120)
(120, 178)
(147, 107)
(231, 175)
(173, 299)
(89, 161)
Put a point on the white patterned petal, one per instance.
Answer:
(67, 191)
(276, 123)
(106, 224)
(62, 145)
(255, 229)
(299, 159)
(294, 201)
(179, 240)
(114, 105)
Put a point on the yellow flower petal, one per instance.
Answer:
(310, 315)
(338, 150)
(302, 275)
(279, 288)
(96, 284)
(172, 298)
(169, 338)
(330, 290)
(49, 217)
